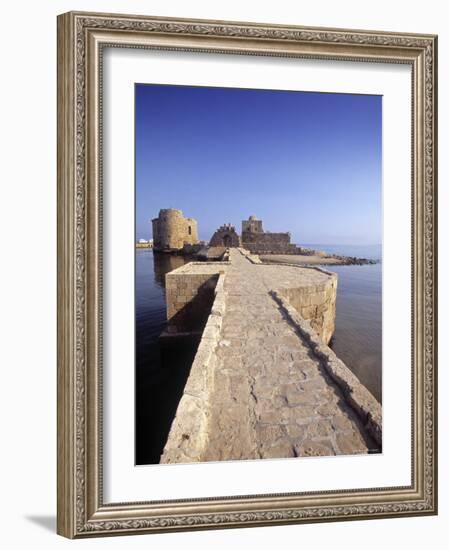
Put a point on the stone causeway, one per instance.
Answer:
(264, 383)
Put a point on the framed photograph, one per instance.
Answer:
(246, 274)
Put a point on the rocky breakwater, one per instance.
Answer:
(307, 257)
(264, 383)
(338, 258)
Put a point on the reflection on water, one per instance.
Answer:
(161, 371)
(164, 263)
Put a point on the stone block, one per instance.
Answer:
(351, 443)
(341, 423)
(267, 434)
(314, 448)
(296, 397)
(281, 449)
(211, 333)
(295, 431)
(319, 429)
(297, 414)
(271, 417)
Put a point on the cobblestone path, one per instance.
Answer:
(271, 397)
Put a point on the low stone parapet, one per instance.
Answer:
(316, 302)
(264, 383)
(190, 296)
(357, 396)
(253, 258)
(193, 410)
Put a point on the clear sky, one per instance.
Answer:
(305, 162)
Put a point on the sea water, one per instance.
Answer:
(358, 326)
(161, 372)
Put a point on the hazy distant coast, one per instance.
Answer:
(315, 258)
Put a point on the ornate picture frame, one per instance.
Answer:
(82, 38)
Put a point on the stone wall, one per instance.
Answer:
(193, 411)
(356, 395)
(225, 236)
(252, 225)
(171, 230)
(316, 304)
(189, 298)
(282, 239)
(257, 241)
(271, 247)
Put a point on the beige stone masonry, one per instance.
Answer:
(263, 383)
(189, 434)
(360, 399)
(190, 295)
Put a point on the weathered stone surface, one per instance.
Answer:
(351, 443)
(225, 236)
(319, 428)
(295, 397)
(171, 231)
(267, 393)
(190, 297)
(341, 423)
(270, 433)
(255, 239)
(281, 449)
(315, 448)
(354, 393)
(295, 432)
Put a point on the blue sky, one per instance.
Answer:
(305, 162)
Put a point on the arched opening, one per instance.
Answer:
(227, 241)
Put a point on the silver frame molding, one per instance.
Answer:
(81, 38)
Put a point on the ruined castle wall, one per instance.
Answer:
(171, 230)
(225, 236)
(271, 248)
(252, 225)
(156, 234)
(191, 235)
(266, 238)
(268, 243)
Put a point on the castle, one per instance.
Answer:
(226, 236)
(172, 231)
(258, 241)
(254, 238)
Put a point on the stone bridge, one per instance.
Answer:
(264, 383)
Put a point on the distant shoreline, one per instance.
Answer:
(309, 257)
(315, 259)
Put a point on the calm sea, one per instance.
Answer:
(358, 332)
(161, 372)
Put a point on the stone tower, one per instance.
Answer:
(258, 241)
(252, 225)
(171, 231)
